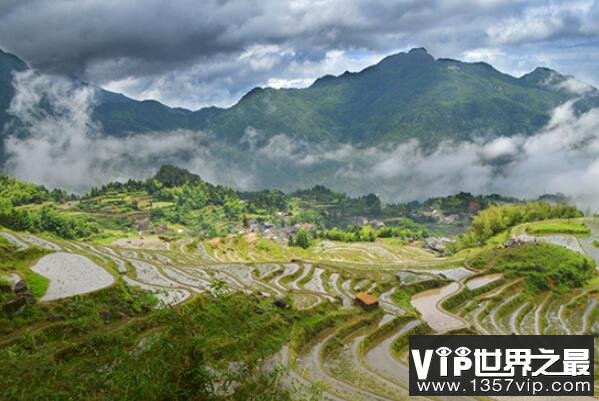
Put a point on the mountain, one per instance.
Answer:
(406, 95)
(341, 131)
(9, 64)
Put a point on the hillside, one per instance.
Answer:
(175, 201)
(173, 288)
(352, 133)
(406, 95)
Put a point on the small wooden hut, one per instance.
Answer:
(366, 300)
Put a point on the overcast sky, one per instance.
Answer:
(193, 53)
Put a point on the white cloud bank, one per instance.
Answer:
(64, 147)
(561, 157)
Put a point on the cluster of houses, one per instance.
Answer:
(143, 225)
(518, 240)
(365, 221)
(437, 244)
(269, 231)
(439, 217)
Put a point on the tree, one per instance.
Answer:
(301, 239)
(193, 196)
(233, 207)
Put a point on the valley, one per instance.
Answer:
(120, 293)
(301, 200)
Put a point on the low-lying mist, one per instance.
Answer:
(58, 144)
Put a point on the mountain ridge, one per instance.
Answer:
(354, 132)
(405, 95)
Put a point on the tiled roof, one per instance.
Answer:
(367, 299)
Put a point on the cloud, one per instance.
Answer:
(575, 86)
(58, 144)
(192, 54)
(282, 148)
(561, 157)
(541, 23)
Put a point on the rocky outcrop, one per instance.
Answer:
(20, 287)
(19, 302)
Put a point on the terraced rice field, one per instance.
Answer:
(427, 303)
(361, 358)
(71, 274)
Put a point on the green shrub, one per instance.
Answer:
(188, 353)
(545, 266)
(496, 219)
(301, 238)
(559, 227)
